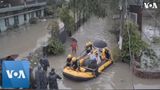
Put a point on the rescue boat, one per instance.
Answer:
(84, 73)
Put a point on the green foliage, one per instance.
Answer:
(156, 40)
(136, 44)
(94, 7)
(151, 54)
(52, 6)
(54, 29)
(55, 47)
(49, 10)
(67, 19)
(113, 5)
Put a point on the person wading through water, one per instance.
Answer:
(74, 46)
(52, 80)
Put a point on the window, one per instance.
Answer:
(6, 22)
(37, 14)
(16, 20)
(25, 17)
(32, 14)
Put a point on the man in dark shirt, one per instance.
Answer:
(52, 80)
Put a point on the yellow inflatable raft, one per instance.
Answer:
(84, 73)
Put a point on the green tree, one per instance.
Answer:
(67, 19)
(55, 46)
(53, 5)
(132, 41)
(54, 29)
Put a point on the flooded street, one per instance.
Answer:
(22, 40)
(113, 77)
(117, 76)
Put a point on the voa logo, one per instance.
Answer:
(15, 74)
(150, 5)
(12, 73)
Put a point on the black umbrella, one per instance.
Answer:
(99, 44)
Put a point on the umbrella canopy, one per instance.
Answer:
(99, 44)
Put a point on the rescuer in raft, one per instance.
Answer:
(69, 59)
(88, 47)
(105, 54)
(74, 63)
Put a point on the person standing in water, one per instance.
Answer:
(74, 46)
(52, 80)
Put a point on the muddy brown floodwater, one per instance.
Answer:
(21, 40)
(115, 77)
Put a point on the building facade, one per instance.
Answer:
(18, 12)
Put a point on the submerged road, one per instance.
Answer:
(21, 40)
(117, 76)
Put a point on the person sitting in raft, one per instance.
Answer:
(92, 56)
(69, 59)
(80, 63)
(92, 59)
(88, 47)
(98, 58)
(74, 63)
(93, 67)
(105, 54)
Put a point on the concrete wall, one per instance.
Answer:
(42, 13)
(27, 16)
(11, 21)
(2, 25)
(21, 19)
(34, 14)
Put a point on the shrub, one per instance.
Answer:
(156, 40)
(54, 29)
(33, 20)
(55, 47)
(152, 61)
(67, 19)
(136, 44)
